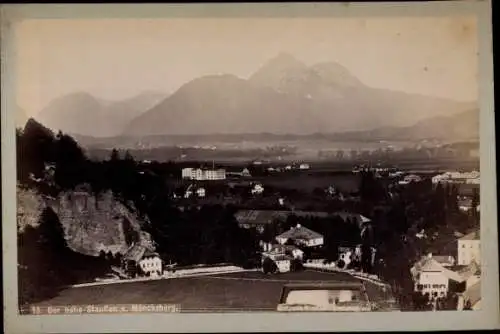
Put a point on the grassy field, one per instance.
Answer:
(251, 291)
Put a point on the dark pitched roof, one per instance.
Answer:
(137, 251)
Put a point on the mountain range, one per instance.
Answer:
(83, 113)
(284, 96)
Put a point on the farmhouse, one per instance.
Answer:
(141, 261)
(433, 278)
(301, 236)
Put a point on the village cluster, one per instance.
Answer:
(435, 275)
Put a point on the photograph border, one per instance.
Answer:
(486, 318)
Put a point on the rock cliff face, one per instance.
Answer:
(29, 208)
(91, 223)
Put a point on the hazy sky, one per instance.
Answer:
(119, 58)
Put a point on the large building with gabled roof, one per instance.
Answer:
(301, 235)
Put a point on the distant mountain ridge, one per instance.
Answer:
(463, 126)
(286, 96)
(83, 113)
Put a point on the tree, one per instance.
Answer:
(131, 235)
(296, 265)
(51, 231)
(474, 204)
(269, 266)
(340, 264)
(115, 156)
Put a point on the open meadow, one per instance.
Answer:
(249, 291)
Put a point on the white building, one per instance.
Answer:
(304, 166)
(283, 262)
(458, 177)
(257, 189)
(151, 264)
(301, 236)
(201, 192)
(469, 249)
(410, 178)
(293, 251)
(140, 260)
(429, 276)
(203, 174)
(465, 205)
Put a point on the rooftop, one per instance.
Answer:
(137, 252)
(429, 264)
(473, 294)
(299, 232)
(471, 236)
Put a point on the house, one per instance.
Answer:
(304, 166)
(201, 192)
(331, 191)
(410, 178)
(245, 173)
(257, 189)
(283, 262)
(345, 255)
(469, 248)
(239, 173)
(445, 260)
(140, 260)
(458, 177)
(302, 236)
(433, 278)
(191, 190)
(291, 250)
(465, 205)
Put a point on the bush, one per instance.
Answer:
(269, 266)
(340, 264)
(296, 265)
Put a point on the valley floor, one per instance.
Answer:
(233, 292)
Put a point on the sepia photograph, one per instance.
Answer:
(216, 159)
